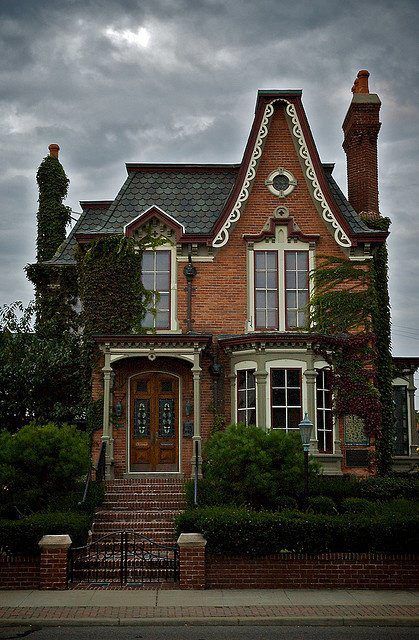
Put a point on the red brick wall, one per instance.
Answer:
(325, 571)
(220, 298)
(192, 567)
(53, 569)
(19, 572)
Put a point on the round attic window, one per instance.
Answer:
(281, 183)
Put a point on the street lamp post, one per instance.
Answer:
(305, 427)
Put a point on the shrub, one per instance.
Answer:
(40, 464)
(22, 536)
(358, 505)
(374, 488)
(286, 503)
(321, 504)
(233, 531)
(248, 466)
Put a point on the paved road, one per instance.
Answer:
(209, 633)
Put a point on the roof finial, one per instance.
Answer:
(54, 150)
(361, 82)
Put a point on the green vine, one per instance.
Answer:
(56, 298)
(52, 216)
(341, 310)
(351, 309)
(381, 325)
(113, 298)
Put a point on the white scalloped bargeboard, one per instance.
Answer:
(223, 235)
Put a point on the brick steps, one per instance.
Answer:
(146, 505)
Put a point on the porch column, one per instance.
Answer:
(261, 376)
(196, 440)
(310, 375)
(107, 426)
(414, 436)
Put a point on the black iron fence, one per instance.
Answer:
(126, 557)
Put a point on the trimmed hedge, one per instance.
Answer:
(375, 488)
(232, 531)
(322, 505)
(22, 536)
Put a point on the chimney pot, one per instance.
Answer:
(54, 150)
(361, 83)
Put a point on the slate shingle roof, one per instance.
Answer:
(90, 219)
(194, 197)
(356, 224)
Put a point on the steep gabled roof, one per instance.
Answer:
(206, 199)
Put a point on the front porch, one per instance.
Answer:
(152, 387)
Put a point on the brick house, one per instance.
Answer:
(228, 338)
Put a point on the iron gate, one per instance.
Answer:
(126, 557)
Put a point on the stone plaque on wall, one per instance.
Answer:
(355, 432)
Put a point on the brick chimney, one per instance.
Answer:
(54, 150)
(361, 127)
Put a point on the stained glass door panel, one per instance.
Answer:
(154, 429)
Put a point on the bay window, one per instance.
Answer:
(246, 396)
(286, 399)
(324, 411)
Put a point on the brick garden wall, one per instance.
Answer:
(19, 572)
(325, 571)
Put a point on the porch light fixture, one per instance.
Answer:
(118, 409)
(188, 407)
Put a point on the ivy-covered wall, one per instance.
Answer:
(351, 309)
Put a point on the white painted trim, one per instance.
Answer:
(133, 352)
(285, 363)
(128, 427)
(196, 258)
(140, 215)
(240, 366)
(280, 248)
(223, 235)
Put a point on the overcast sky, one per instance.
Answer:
(115, 81)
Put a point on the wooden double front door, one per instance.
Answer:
(154, 423)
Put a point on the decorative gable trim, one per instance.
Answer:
(293, 231)
(223, 234)
(148, 214)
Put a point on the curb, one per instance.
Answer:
(282, 621)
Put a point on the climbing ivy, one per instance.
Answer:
(351, 309)
(56, 298)
(381, 326)
(52, 215)
(113, 298)
(341, 311)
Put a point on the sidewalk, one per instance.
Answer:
(280, 607)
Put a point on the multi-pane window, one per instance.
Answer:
(156, 278)
(324, 411)
(266, 289)
(246, 396)
(286, 398)
(296, 289)
(401, 421)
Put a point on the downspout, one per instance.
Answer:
(190, 273)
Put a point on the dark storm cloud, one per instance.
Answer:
(175, 80)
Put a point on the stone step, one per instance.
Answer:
(143, 505)
(135, 518)
(149, 482)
